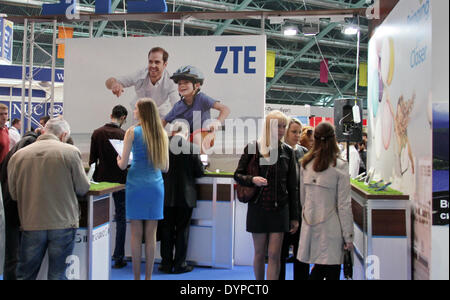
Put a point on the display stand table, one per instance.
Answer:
(91, 257)
(382, 235)
(211, 236)
(211, 233)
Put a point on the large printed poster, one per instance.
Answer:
(233, 69)
(400, 115)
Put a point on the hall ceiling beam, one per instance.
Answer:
(103, 24)
(331, 91)
(324, 4)
(313, 74)
(203, 4)
(204, 24)
(199, 15)
(221, 28)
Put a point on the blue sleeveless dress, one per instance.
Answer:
(145, 185)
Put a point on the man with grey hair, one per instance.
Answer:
(47, 200)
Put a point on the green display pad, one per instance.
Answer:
(102, 186)
(371, 191)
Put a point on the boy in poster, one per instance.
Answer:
(189, 80)
(192, 102)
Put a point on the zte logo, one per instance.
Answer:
(240, 57)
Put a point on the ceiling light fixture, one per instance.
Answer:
(350, 29)
(290, 30)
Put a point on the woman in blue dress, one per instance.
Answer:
(145, 186)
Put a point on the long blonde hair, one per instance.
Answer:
(155, 137)
(265, 140)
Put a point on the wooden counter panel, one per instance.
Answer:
(388, 222)
(205, 192)
(101, 212)
(83, 213)
(358, 214)
(223, 192)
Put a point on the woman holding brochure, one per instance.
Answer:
(145, 186)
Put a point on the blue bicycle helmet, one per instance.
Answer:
(190, 73)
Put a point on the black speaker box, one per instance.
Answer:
(346, 129)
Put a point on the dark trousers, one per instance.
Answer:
(328, 272)
(121, 225)
(12, 240)
(174, 232)
(301, 270)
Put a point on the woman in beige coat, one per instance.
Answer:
(327, 224)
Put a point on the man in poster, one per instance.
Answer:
(152, 81)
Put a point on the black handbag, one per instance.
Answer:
(348, 265)
(246, 193)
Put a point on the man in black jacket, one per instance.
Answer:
(102, 153)
(12, 222)
(180, 199)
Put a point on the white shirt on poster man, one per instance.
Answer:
(164, 92)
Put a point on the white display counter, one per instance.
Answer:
(91, 257)
(382, 236)
(212, 230)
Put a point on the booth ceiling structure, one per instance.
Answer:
(297, 64)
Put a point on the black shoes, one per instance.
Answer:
(119, 264)
(184, 269)
(176, 270)
(165, 269)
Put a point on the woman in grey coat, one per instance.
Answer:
(327, 223)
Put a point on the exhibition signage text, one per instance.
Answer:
(6, 41)
(70, 7)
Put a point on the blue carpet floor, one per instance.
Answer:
(199, 273)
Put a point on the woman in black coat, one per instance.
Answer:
(301, 270)
(274, 208)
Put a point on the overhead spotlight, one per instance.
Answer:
(350, 29)
(290, 30)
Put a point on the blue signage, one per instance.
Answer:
(147, 6)
(66, 7)
(59, 8)
(1, 37)
(38, 110)
(6, 40)
(39, 74)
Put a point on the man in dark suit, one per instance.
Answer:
(105, 157)
(179, 200)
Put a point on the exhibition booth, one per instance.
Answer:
(401, 231)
